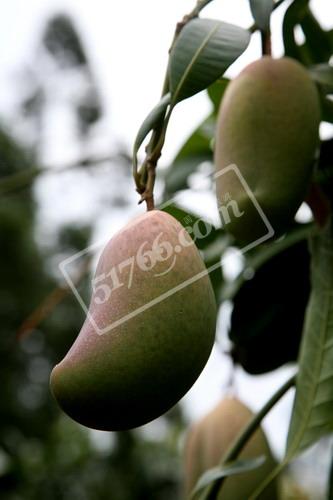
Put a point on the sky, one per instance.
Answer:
(127, 43)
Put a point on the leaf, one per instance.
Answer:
(261, 12)
(211, 246)
(317, 40)
(216, 92)
(260, 255)
(262, 338)
(203, 51)
(295, 12)
(312, 416)
(323, 74)
(326, 109)
(193, 221)
(317, 47)
(151, 122)
(231, 469)
(197, 149)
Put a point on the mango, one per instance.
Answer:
(209, 439)
(149, 331)
(268, 127)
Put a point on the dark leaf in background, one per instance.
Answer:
(318, 44)
(292, 17)
(325, 166)
(63, 43)
(12, 159)
(61, 40)
(196, 150)
(89, 110)
(268, 313)
(323, 75)
(33, 104)
(216, 91)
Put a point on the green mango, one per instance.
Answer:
(268, 127)
(154, 305)
(210, 438)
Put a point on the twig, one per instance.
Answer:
(145, 178)
(49, 303)
(266, 43)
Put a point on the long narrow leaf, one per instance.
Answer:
(152, 120)
(237, 467)
(323, 74)
(313, 407)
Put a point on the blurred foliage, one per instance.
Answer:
(65, 60)
(43, 454)
(62, 41)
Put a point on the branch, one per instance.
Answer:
(145, 178)
(266, 43)
(26, 177)
(49, 303)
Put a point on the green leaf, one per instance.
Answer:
(262, 254)
(196, 150)
(323, 74)
(293, 15)
(203, 51)
(318, 45)
(261, 12)
(216, 92)
(152, 121)
(231, 469)
(317, 40)
(262, 338)
(326, 109)
(312, 416)
(211, 246)
(190, 220)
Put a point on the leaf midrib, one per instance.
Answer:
(323, 334)
(193, 61)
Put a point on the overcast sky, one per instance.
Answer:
(128, 43)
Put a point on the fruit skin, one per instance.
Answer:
(268, 127)
(210, 438)
(142, 367)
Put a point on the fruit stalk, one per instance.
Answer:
(145, 178)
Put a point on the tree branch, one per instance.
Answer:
(26, 177)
